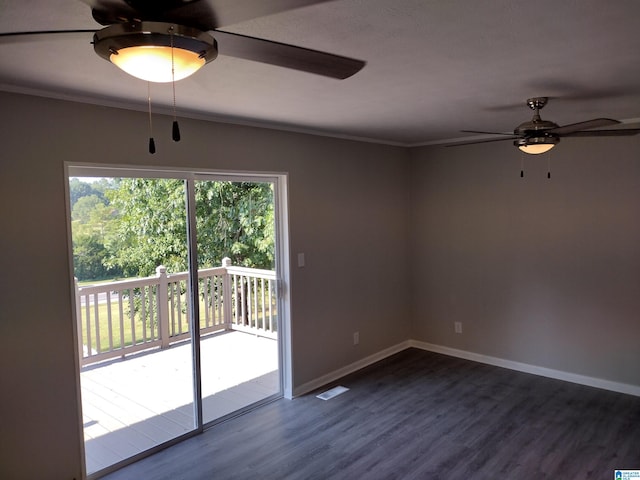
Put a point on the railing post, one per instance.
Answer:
(227, 295)
(78, 319)
(163, 306)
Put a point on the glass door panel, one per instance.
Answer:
(237, 294)
(130, 263)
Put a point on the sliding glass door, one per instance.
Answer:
(177, 312)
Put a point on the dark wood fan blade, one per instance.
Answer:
(201, 14)
(487, 133)
(196, 13)
(576, 127)
(229, 12)
(622, 132)
(11, 37)
(489, 140)
(287, 56)
(108, 12)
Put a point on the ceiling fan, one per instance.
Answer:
(184, 34)
(168, 40)
(538, 136)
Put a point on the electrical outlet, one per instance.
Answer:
(356, 338)
(457, 327)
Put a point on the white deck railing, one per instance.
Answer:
(126, 316)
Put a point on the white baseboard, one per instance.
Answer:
(475, 357)
(354, 367)
(524, 367)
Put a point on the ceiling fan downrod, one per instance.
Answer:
(533, 135)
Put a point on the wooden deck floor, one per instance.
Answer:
(134, 404)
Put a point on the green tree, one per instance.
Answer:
(151, 226)
(81, 210)
(79, 189)
(234, 219)
(92, 220)
(88, 253)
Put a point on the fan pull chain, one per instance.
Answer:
(175, 131)
(152, 143)
(549, 165)
(521, 165)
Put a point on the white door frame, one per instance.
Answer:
(282, 264)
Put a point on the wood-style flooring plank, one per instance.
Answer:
(418, 415)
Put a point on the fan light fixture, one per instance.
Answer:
(151, 50)
(153, 63)
(156, 52)
(536, 145)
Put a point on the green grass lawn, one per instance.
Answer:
(124, 334)
(103, 326)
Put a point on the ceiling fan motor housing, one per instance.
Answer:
(539, 140)
(121, 35)
(535, 131)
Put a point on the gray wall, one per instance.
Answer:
(399, 244)
(348, 214)
(545, 272)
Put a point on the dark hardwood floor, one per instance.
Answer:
(418, 415)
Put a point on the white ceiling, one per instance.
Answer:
(434, 67)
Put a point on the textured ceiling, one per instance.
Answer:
(434, 67)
